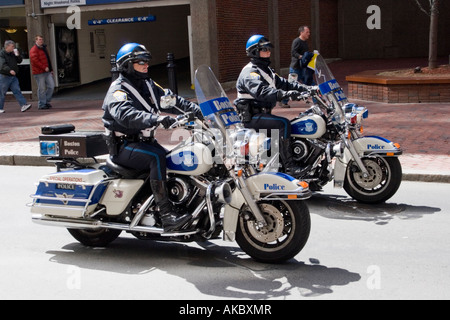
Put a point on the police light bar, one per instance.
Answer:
(49, 148)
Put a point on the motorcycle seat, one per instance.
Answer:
(124, 172)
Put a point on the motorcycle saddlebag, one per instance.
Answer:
(73, 193)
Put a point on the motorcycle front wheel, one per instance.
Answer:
(286, 233)
(95, 237)
(385, 176)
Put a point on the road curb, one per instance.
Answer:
(427, 177)
(27, 160)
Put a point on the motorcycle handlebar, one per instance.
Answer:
(182, 119)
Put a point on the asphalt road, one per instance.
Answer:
(397, 250)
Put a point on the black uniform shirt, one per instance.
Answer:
(123, 112)
(259, 85)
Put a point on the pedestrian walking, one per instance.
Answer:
(42, 72)
(9, 59)
(300, 57)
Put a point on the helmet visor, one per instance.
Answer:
(141, 62)
(264, 43)
(140, 56)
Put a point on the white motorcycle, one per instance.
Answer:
(327, 142)
(209, 176)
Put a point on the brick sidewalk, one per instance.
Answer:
(420, 129)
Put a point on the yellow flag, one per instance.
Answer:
(312, 62)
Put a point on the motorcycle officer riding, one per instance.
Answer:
(258, 90)
(132, 105)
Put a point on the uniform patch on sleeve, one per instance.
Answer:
(120, 95)
(254, 75)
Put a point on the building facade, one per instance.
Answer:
(82, 34)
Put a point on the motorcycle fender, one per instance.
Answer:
(364, 146)
(277, 185)
(339, 172)
(231, 215)
(375, 145)
(263, 186)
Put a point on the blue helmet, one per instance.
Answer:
(132, 52)
(255, 43)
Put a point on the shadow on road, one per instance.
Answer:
(345, 208)
(215, 270)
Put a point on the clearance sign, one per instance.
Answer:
(12, 3)
(67, 3)
(96, 22)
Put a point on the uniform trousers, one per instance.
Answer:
(148, 155)
(270, 122)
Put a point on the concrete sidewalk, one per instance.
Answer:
(420, 129)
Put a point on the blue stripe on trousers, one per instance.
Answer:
(149, 153)
(286, 122)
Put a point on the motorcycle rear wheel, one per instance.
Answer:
(95, 237)
(383, 182)
(286, 233)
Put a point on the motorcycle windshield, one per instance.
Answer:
(329, 87)
(213, 101)
(217, 109)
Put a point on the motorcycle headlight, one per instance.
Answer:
(258, 144)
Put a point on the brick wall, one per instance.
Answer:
(291, 15)
(237, 20)
(329, 35)
(402, 93)
(403, 33)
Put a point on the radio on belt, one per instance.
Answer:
(81, 144)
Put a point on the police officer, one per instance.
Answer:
(258, 90)
(132, 104)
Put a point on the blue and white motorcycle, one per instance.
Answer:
(209, 175)
(327, 141)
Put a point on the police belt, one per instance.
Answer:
(256, 110)
(131, 137)
(253, 107)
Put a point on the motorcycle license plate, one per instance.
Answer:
(65, 186)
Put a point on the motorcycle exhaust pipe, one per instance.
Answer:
(85, 224)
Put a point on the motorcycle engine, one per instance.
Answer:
(179, 189)
(299, 150)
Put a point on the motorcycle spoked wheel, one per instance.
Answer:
(286, 233)
(95, 237)
(383, 182)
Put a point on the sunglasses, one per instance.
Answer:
(142, 62)
(265, 49)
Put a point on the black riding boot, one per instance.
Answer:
(169, 218)
(287, 159)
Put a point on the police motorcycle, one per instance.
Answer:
(209, 176)
(327, 142)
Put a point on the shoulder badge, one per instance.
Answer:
(255, 75)
(120, 95)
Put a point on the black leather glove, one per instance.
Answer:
(166, 121)
(314, 90)
(291, 94)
